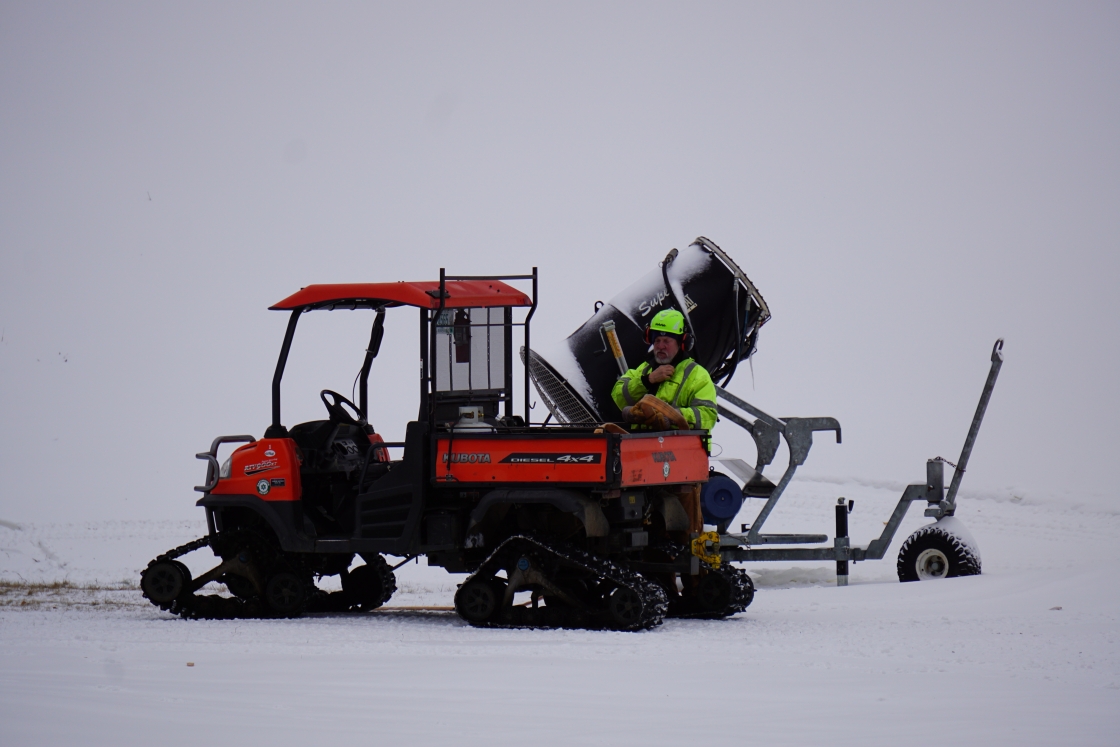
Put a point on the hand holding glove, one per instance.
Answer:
(656, 414)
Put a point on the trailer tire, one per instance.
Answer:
(932, 553)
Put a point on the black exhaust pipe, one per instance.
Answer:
(723, 311)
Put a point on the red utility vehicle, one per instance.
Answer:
(587, 519)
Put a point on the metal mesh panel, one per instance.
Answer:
(558, 397)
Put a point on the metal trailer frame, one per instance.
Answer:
(767, 431)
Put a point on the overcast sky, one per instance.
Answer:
(904, 183)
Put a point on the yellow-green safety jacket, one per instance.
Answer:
(689, 389)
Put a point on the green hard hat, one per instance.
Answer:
(667, 320)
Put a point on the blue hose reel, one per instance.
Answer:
(720, 500)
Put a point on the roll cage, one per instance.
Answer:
(454, 307)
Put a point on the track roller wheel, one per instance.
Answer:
(476, 601)
(184, 570)
(164, 581)
(239, 586)
(624, 607)
(713, 593)
(286, 594)
(369, 586)
(717, 594)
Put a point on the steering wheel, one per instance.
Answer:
(337, 412)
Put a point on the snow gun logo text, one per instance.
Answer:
(647, 307)
(467, 458)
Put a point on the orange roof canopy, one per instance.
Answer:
(425, 294)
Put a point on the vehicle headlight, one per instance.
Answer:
(223, 473)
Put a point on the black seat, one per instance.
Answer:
(334, 455)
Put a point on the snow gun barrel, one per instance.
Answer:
(723, 309)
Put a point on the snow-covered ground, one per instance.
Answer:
(1024, 654)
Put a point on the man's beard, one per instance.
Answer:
(662, 358)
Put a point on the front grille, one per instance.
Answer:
(564, 404)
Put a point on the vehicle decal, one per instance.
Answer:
(263, 466)
(561, 458)
(664, 456)
(464, 458)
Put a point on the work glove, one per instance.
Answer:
(645, 416)
(656, 414)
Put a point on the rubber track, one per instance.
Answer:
(742, 594)
(742, 586)
(388, 581)
(654, 602)
(183, 604)
(339, 601)
(742, 590)
(211, 606)
(192, 606)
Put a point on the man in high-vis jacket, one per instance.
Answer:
(670, 375)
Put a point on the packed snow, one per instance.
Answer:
(1024, 654)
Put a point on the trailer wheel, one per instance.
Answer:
(477, 601)
(932, 553)
(164, 581)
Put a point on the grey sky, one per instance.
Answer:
(903, 182)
